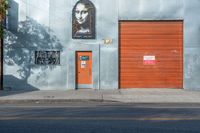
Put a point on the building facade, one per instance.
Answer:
(129, 44)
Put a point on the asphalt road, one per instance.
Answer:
(99, 117)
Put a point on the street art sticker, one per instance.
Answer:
(83, 20)
(149, 60)
(47, 57)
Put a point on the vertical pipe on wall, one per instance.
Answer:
(99, 84)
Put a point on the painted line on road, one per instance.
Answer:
(103, 118)
(97, 106)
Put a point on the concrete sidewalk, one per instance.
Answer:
(126, 96)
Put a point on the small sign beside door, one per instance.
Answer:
(149, 60)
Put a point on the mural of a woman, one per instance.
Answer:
(83, 20)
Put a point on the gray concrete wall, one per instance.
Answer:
(54, 18)
(47, 26)
(192, 44)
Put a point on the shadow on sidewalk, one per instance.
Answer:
(15, 86)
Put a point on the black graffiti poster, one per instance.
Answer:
(47, 57)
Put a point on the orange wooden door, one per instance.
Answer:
(151, 54)
(84, 67)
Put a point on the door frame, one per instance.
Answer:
(71, 65)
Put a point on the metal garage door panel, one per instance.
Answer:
(162, 40)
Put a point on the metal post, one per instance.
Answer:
(1, 62)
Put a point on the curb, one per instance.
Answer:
(53, 101)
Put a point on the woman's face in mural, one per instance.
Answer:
(81, 13)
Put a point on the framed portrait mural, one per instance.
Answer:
(83, 20)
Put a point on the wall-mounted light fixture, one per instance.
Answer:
(108, 41)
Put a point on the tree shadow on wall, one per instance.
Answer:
(20, 47)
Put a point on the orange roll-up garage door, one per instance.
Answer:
(151, 54)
